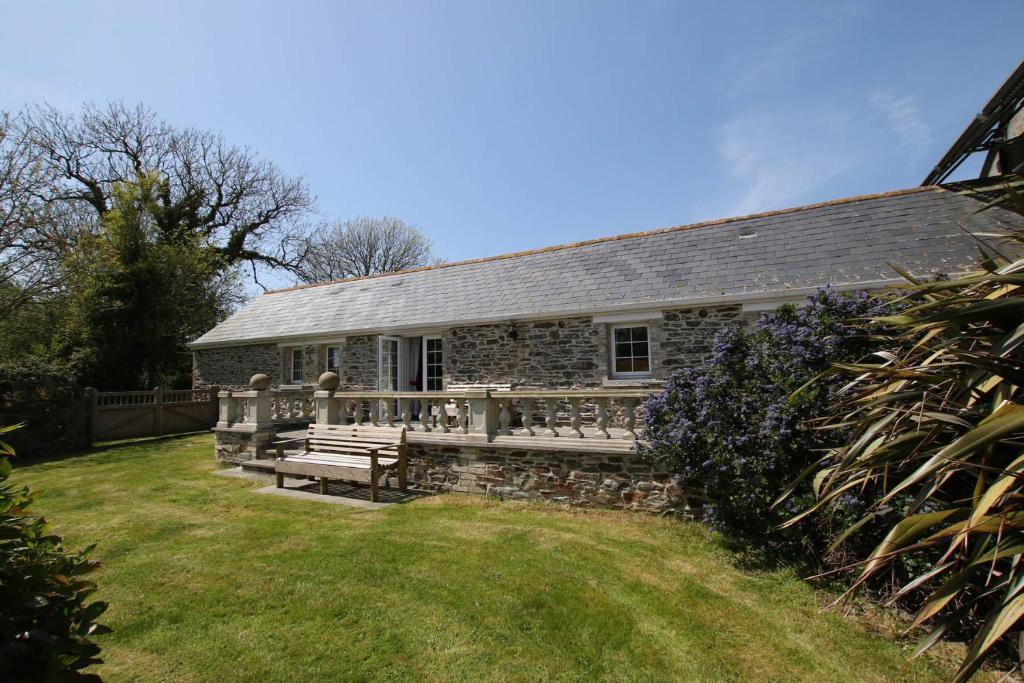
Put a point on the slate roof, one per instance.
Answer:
(844, 242)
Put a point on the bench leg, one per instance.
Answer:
(374, 476)
(280, 480)
(323, 486)
(402, 480)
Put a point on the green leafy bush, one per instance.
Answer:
(936, 425)
(45, 617)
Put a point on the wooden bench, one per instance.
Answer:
(347, 452)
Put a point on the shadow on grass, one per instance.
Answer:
(356, 492)
(103, 447)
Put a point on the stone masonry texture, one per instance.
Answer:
(571, 353)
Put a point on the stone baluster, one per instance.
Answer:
(461, 415)
(629, 405)
(575, 420)
(343, 411)
(602, 419)
(442, 416)
(405, 410)
(550, 416)
(424, 414)
(375, 411)
(505, 416)
(528, 405)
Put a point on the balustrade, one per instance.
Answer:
(485, 415)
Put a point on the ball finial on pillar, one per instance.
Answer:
(259, 382)
(329, 381)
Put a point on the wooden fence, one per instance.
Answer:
(131, 414)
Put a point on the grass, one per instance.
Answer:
(209, 581)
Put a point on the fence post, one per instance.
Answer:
(214, 405)
(91, 402)
(158, 411)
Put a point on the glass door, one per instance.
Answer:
(389, 366)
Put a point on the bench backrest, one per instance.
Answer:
(342, 438)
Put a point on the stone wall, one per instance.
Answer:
(562, 354)
(231, 367)
(574, 353)
(683, 338)
(359, 363)
(571, 353)
(608, 480)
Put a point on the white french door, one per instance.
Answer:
(389, 364)
(389, 370)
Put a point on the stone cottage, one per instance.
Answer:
(520, 375)
(623, 311)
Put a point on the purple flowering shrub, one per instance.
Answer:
(734, 426)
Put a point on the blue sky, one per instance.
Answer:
(501, 126)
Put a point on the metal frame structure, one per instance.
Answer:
(985, 132)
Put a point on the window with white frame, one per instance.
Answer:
(433, 363)
(295, 365)
(333, 359)
(631, 351)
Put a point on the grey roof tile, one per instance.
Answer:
(839, 243)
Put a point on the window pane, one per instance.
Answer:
(631, 350)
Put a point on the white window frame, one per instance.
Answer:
(423, 360)
(292, 350)
(612, 355)
(327, 358)
(400, 369)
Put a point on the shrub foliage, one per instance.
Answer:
(937, 427)
(46, 619)
(729, 425)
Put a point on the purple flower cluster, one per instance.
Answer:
(734, 424)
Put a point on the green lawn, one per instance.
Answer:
(209, 581)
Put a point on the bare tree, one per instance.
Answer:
(29, 238)
(362, 246)
(244, 207)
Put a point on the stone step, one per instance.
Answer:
(263, 466)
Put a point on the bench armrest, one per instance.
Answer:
(279, 445)
(383, 446)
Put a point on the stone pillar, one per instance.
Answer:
(328, 408)
(245, 436)
(226, 414)
(483, 412)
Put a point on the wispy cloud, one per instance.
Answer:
(763, 68)
(776, 159)
(904, 116)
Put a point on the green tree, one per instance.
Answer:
(137, 291)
